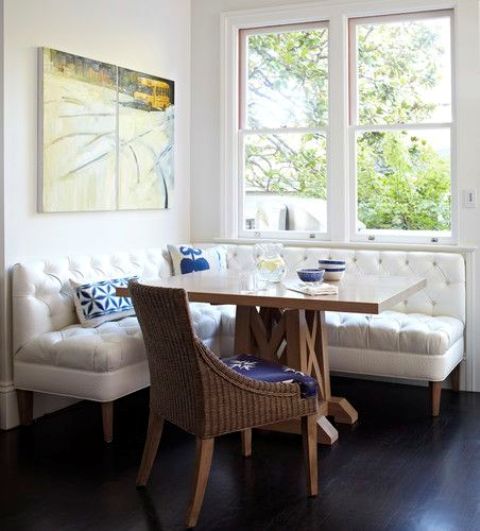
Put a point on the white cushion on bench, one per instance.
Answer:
(411, 346)
(394, 331)
(110, 346)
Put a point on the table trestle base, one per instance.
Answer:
(298, 339)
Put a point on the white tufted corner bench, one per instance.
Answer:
(420, 339)
(55, 355)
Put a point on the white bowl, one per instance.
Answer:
(334, 269)
(333, 275)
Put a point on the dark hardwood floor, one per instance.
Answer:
(396, 469)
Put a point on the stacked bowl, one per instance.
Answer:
(311, 275)
(334, 269)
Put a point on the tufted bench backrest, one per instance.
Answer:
(445, 272)
(41, 292)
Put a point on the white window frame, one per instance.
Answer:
(341, 203)
(355, 128)
(244, 132)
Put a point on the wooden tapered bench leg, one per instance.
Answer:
(309, 434)
(154, 433)
(247, 442)
(107, 421)
(435, 397)
(202, 471)
(25, 406)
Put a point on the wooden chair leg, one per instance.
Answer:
(309, 433)
(154, 433)
(202, 470)
(25, 406)
(247, 442)
(455, 378)
(107, 420)
(435, 397)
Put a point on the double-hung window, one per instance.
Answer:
(401, 125)
(283, 130)
(343, 127)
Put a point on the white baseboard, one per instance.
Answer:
(42, 405)
(8, 409)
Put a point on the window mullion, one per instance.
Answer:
(284, 130)
(401, 126)
(337, 146)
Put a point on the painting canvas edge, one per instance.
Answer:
(40, 132)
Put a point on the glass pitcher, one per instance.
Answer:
(270, 264)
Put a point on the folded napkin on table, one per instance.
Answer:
(311, 289)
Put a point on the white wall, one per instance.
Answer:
(205, 137)
(206, 140)
(147, 35)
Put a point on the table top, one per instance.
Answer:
(360, 294)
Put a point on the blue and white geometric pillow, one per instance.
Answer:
(97, 302)
(188, 259)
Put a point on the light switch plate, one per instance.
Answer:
(470, 198)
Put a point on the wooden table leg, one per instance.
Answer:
(298, 353)
(243, 341)
(340, 408)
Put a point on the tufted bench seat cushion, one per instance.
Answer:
(411, 346)
(394, 331)
(110, 346)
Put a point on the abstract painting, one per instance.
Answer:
(105, 136)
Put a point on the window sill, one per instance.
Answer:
(450, 248)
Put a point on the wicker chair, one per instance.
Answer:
(193, 389)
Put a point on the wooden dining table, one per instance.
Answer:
(289, 327)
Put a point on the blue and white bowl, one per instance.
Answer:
(334, 269)
(310, 275)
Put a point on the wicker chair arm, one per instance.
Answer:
(221, 370)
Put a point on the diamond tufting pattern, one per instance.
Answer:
(111, 345)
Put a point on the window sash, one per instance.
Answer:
(394, 235)
(244, 131)
(398, 235)
(243, 59)
(382, 19)
(282, 234)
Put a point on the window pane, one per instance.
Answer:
(404, 71)
(285, 182)
(287, 79)
(403, 180)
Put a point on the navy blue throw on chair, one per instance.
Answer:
(267, 371)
